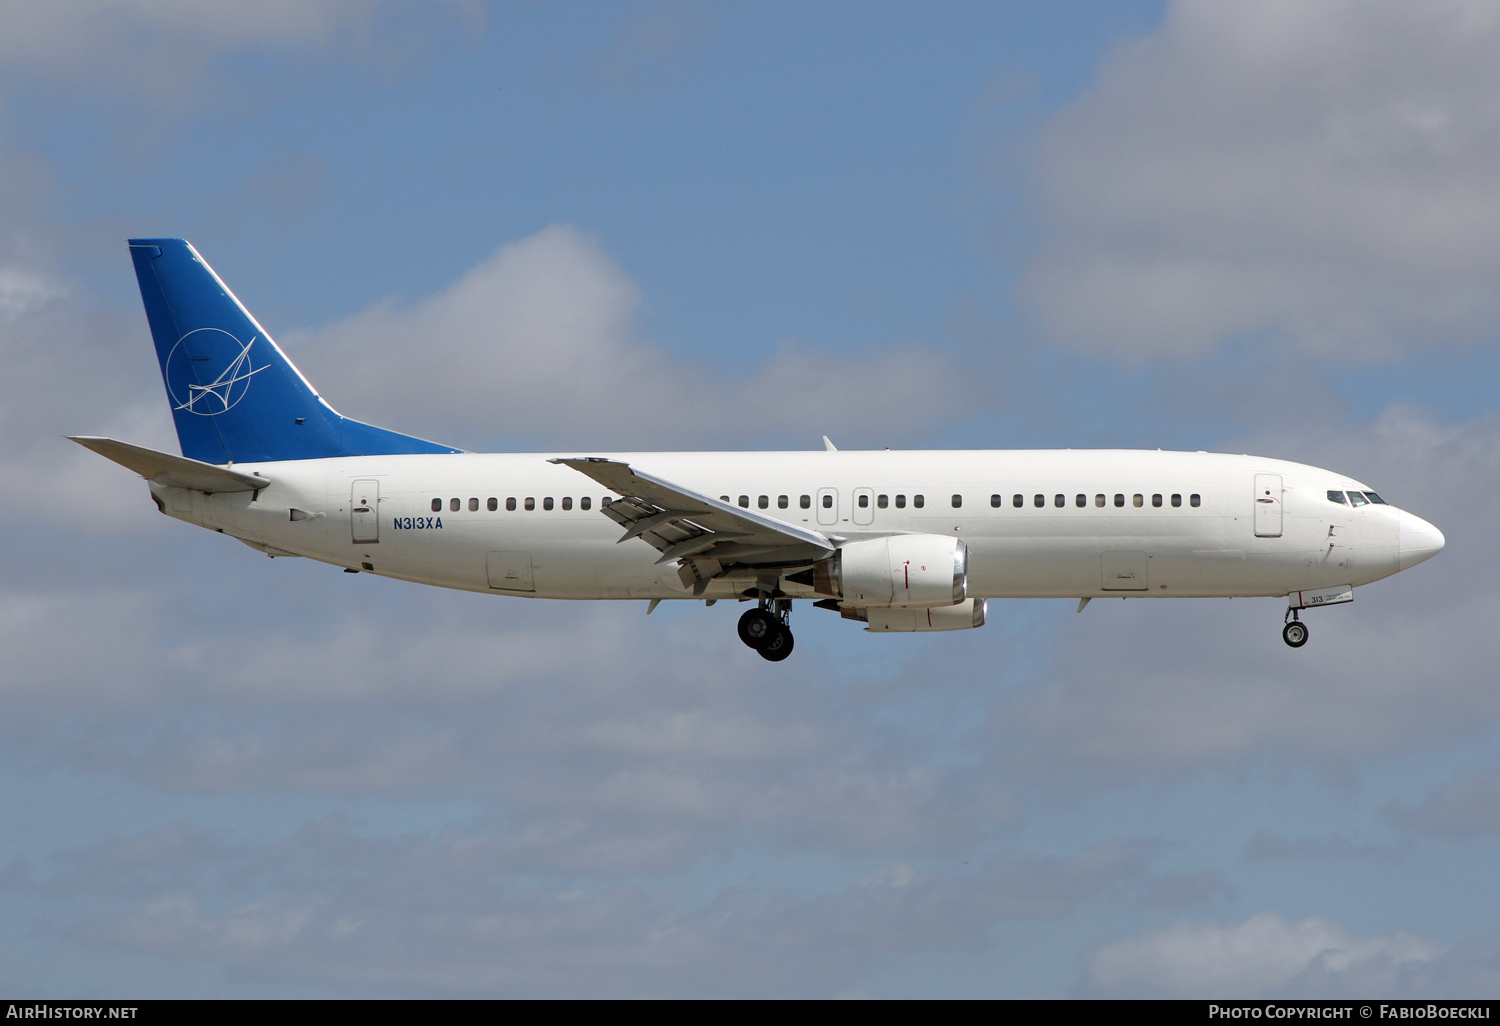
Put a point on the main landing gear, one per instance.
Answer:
(1295, 631)
(765, 629)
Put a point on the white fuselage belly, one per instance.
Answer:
(1211, 549)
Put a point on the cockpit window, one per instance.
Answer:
(1376, 499)
(1358, 499)
(1337, 497)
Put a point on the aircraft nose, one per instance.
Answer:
(1417, 540)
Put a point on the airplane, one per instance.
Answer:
(901, 541)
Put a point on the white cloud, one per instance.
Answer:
(163, 53)
(540, 340)
(620, 755)
(1464, 806)
(442, 915)
(67, 33)
(1324, 173)
(1270, 846)
(1264, 956)
(22, 291)
(657, 37)
(72, 369)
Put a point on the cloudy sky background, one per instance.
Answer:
(1268, 228)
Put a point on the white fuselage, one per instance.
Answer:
(1235, 541)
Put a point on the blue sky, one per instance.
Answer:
(1267, 228)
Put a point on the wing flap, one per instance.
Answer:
(683, 524)
(175, 471)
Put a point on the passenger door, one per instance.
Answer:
(364, 512)
(1268, 499)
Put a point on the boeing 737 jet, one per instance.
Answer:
(897, 541)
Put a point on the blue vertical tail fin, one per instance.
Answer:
(235, 396)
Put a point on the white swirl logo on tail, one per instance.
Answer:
(225, 362)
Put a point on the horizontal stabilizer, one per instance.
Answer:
(175, 471)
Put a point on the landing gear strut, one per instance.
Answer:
(765, 629)
(1295, 632)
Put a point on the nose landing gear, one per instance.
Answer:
(1295, 632)
(765, 629)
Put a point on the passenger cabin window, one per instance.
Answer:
(473, 505)
(828, 501)
(782, 502)
(918, 501)
(1059, 500)
(724, 498)
(1194, 500)
(1119, 500)
(453, 505)
(996, 500)
(1176, 499)
(585, 502)
(1039, 501)
(744, 502)
(1099, 499)
(437, 505)
(567, 502)
(1138, 500)
(864, 501)
(805, 502)
(510, 504)
(530, 503)
(882, 501)
(1080, 500)
(492, 504)
(958, 501)
(1156, 500)
(764, 502)
(900, 502)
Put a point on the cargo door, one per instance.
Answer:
(509, 571)
(1123, 571)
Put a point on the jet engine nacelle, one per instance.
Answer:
(968, 613)
(903, 571)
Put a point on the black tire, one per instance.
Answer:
(757, 627)
(778, 646)
(1295, 634)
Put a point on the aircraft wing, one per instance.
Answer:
(685, 525)
(176, 471)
